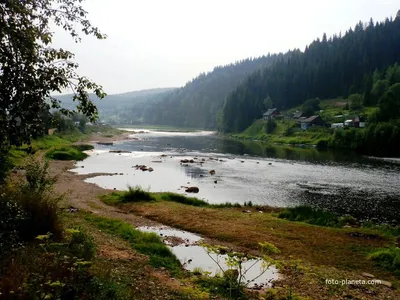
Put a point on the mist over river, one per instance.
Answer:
(281, 176)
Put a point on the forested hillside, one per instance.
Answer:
(197, 103)
(332, 67)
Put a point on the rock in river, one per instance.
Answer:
(192, 189)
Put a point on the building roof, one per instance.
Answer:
(297, 114)
(270, 112)
(310, 119)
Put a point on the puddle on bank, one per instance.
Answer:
(185, 246)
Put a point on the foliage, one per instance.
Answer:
(196, 105)
(146, 243)
(269, 126)
(328, 68)
(381, 138)
(355, 101)
(66, 153)
(388, 259)
(5, 164)
(11, 218)
(57, 270)
(37, 176)
(32, 68)
(84, 147)
(183, 199)
(234, 280)
(136, 194)
(309, 215)
(389, 103)
(311, 106)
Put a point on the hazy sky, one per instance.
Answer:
(165, 43)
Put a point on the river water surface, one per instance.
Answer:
(281, 176)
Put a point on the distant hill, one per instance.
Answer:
(113, 107)
(197, 103)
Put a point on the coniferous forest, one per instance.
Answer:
(333, 67)
(198, 103)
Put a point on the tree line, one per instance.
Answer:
(198, 103)
(328, 68)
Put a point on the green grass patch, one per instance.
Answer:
(113, 198)
(137, 194)
(66, 153)
(183, 199)
(389, 259)
(310, 215)
(146, 243)
(286, 132)
(320, 217)
(83, 147)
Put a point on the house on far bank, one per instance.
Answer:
(356, 122)
(297, 114)
(271, 114)
(337, 125)
(313, 121)
(359, 122)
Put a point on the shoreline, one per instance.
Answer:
(239, 230)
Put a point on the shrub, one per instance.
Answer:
(57, 271)
(183, 199)
(249, 204)
(37, 176)
(388, 259)
(136, 194)
(66, 153)
(83, 147)
(31, 198)
(270, 126)
(11, 218)
(309, 215)
(5, 164)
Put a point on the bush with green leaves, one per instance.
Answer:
(388, 259)
(37, 176)
(66, 153)
(52, 269)
(304, 213)
(233, 281)
(136, 194)
(11, 218)
(270, 126)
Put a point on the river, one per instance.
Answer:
(281, 176)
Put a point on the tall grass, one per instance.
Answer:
(66, 153)
(184, 200)
(309, 215)
(136, 194)
(38, 259)
(388, 259)
(33, 198)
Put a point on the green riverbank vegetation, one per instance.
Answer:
(351, 248)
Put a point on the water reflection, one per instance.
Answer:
(266, 174)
